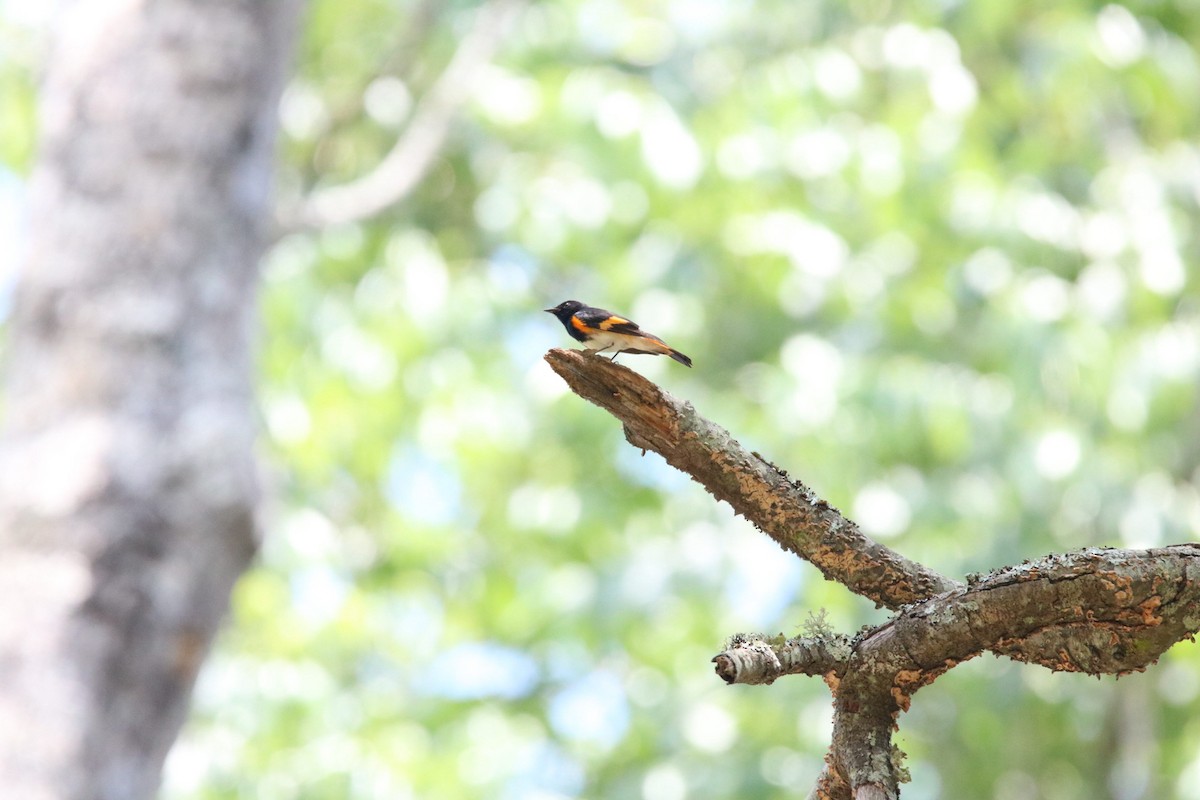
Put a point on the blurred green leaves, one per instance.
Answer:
(938, 262)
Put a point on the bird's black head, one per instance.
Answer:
(565, 309)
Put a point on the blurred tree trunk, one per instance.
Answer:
(127, 477)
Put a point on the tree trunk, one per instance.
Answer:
(127, 477)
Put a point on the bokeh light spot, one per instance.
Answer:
(1057, 454)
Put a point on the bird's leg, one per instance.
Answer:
(614, 355)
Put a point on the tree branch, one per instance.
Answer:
(754, 659)
(397, 175)
(787, 511)
(1099, 611)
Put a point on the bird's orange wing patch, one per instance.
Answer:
(621, 325)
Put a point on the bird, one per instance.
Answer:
(601, 330)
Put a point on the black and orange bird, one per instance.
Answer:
(601, 330)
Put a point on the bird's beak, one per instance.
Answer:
(549, 310)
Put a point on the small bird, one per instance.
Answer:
(601, 330)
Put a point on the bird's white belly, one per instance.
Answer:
(604, 340)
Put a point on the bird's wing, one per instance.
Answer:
(594, 317)
(621, 325)
(608, 321)
(600, 319)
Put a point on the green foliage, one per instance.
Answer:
(937, 260)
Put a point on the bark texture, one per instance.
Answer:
(1100, 611)
(127, 477)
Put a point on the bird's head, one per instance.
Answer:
(565, 309)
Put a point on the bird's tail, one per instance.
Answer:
(652, 345)
(678, 356)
